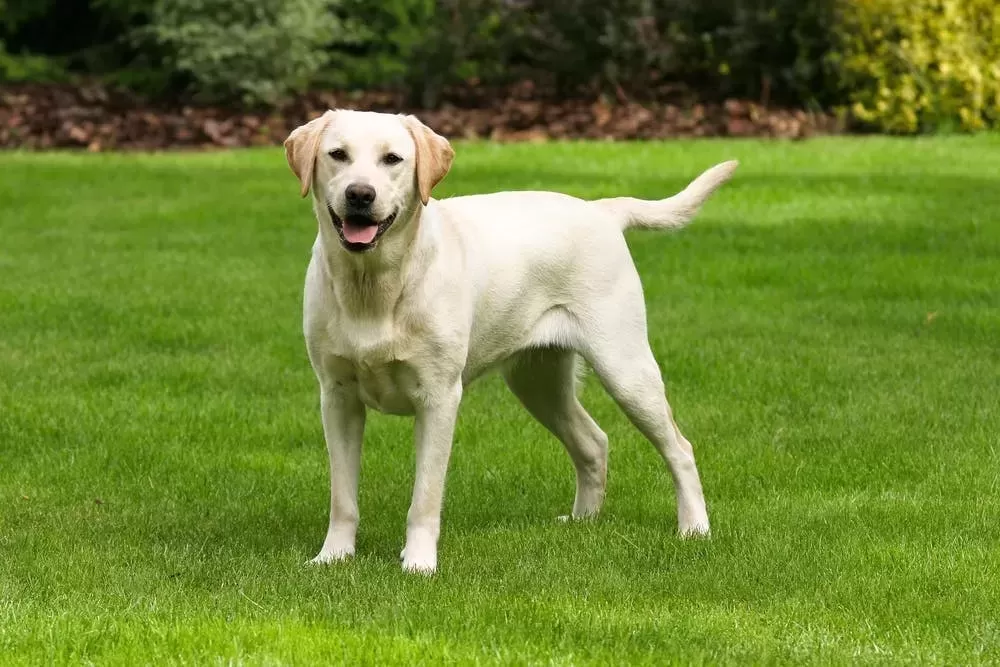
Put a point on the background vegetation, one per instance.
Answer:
(892, 65)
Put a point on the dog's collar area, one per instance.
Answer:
(338, 224)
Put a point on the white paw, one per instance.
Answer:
(327, 556)
(419, 560)
(583, 516)
(695, 529)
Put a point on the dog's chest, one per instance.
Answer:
(370, 356)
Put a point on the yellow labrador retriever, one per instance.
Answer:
(409, 299)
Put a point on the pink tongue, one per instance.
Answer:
(359, 233)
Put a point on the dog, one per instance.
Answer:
(409, 299)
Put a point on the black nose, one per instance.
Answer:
(360, 194)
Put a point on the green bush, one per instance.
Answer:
(758, 48)
(258, 52)
(771, 50)
(21, 68)
(420, 46)
(920, 65)
(48, 39)
(893, 65)
(578, 43)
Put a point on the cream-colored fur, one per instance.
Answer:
(519, 282)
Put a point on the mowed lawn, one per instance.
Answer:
(829, 329)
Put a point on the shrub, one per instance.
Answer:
(579, 43)
(756, 48)
(764, 49)
(18, 68)
(421, 46)
(48, 39)
(920, 65)
(893, 65)
(258, 52)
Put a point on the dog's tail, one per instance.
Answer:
(671, 212)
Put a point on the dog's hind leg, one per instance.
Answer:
(620, 354)
(544, 380)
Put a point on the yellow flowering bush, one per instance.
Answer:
(919, 65)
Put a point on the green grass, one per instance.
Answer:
(830, 333)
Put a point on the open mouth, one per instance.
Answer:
(359, 232)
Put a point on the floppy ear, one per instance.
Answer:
(301, 147)
(434, 156)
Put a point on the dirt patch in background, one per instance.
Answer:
(95, 118)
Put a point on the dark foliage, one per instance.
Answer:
(645, 50)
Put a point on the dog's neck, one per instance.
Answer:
(372, 283)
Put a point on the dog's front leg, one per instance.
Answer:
(343, 427)
(433, 431)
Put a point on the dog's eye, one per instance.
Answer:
(338, 154)
(391, 159)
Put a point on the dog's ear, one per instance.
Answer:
(301, 147)
(434, 156)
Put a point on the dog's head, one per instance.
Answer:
(369, 172)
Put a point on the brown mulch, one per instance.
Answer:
(96, 118)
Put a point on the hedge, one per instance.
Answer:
(891, 65)
(929, 65)
(259, 51)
